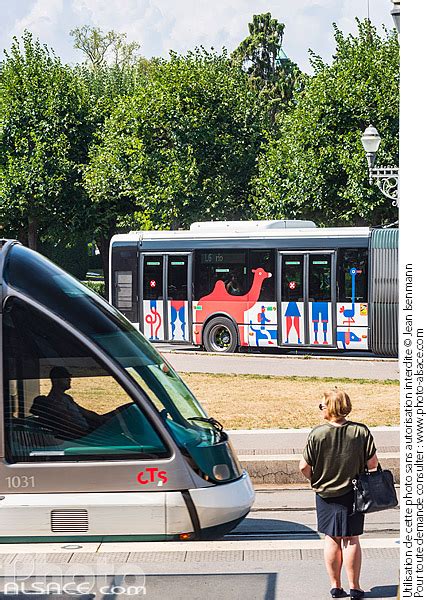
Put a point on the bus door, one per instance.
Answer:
(308, 298)
(165, 296)
(178, 300)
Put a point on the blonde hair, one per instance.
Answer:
(338, 403)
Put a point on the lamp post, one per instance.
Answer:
(395, 14)
(386, 178)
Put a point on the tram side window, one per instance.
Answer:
(349, 259)
(124, 268)
(264, 259)
(230, 267)
(60, 402)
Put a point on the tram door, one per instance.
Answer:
(308, 298)
(166, 291)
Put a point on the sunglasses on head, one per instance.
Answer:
(322, 406)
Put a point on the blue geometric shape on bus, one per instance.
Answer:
(269, 334)
(346, 337)
(154, 320)
(177, 311)
(350, 312)
(292, 319)
(262, 318)
(320, 313)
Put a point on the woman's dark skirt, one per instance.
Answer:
(335, 518)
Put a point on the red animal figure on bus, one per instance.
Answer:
(235, 306)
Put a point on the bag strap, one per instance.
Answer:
(379, 469)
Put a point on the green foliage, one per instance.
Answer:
(125, 142)
(183, 148)
(43, 140)
(98, 46)
(270, 70)
(96, 286)
(316, 167)
(73, 258)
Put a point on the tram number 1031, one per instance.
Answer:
(20, 481)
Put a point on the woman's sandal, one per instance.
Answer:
(338, 593)
(356, 593)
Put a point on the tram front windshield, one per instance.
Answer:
(40, 280)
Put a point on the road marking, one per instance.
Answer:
(232, 545)
(224, 546)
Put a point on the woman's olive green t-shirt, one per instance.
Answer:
(337, 455)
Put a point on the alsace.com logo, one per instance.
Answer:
(82, 579)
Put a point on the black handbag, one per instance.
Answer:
(374, 491)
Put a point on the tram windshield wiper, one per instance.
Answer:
(211, 421)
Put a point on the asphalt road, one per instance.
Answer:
(359, 367)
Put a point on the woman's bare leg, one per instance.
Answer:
(333, 560)
(352, 560)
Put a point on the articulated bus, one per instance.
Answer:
(287, 284)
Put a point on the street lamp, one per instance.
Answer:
(395, 14)
(386, 178)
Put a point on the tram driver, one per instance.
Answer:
(61, 413)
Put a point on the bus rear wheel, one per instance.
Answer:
(220, 335)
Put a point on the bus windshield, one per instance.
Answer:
(37, 278)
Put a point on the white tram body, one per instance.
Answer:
(101, 440)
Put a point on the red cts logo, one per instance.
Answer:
(152, 475)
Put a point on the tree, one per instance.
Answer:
(43, 141)
(99, 46)
(315, 167)
(270, 70)
(183, 148)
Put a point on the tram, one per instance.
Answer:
(100, 438)
(284, 284)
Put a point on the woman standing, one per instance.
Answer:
(335, 453)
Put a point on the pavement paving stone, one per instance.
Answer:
(42, 558)
(373, 553)
(214, 556)
(271, 555)
(95, 557)
(155, 557)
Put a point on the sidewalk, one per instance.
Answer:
(271, 456)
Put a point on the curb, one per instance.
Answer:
(284, 468)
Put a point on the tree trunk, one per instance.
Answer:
(32, 233)
(175, 224)
(22, 235)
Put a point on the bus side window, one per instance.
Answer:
(348, 259)
(212, 266)
(153, 277)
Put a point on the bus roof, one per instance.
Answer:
(212, 233)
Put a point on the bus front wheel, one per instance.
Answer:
(220, 335)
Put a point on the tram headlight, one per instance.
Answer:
(221, 472)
